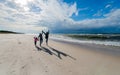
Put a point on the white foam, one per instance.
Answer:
(64, 38)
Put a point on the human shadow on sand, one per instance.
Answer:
(55, 52)
(44, 49)
(60, 53)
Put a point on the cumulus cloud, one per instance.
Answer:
(36, 15)
(111, 19)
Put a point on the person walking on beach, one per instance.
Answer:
(41, 38)
(35, 40)
(46, 36)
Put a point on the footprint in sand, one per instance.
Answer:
(46, 66)
(46, 71)
(19, 42)
(23, 67)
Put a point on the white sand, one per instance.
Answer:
(18, 56)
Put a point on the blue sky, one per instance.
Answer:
(93, 8)
(32, 16)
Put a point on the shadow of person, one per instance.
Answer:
(47, 50)
(38, 48)
(59, 53)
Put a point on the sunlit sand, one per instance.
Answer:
(19, 56)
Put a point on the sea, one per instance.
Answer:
(100, 39)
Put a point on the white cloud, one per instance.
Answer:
(52, 11)
(111, 19)
(99, 13)
(107, 6)
(53, 14)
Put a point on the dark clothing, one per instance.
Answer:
(35, 43)
(47, 41)
(41, 41)
(41, 38)
(46, 36)
(35, 40)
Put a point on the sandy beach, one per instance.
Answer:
(19, 56)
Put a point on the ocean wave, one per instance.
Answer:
(69, 39)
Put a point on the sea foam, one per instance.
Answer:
(69, 39)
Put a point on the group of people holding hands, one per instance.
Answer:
(40, 38)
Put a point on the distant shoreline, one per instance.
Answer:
(104, 37)
(9, 32)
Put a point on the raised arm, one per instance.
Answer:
(43, 32)
(38, 36)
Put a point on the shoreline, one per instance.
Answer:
(84, 40)
(112, 50)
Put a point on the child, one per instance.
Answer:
(35, 40)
